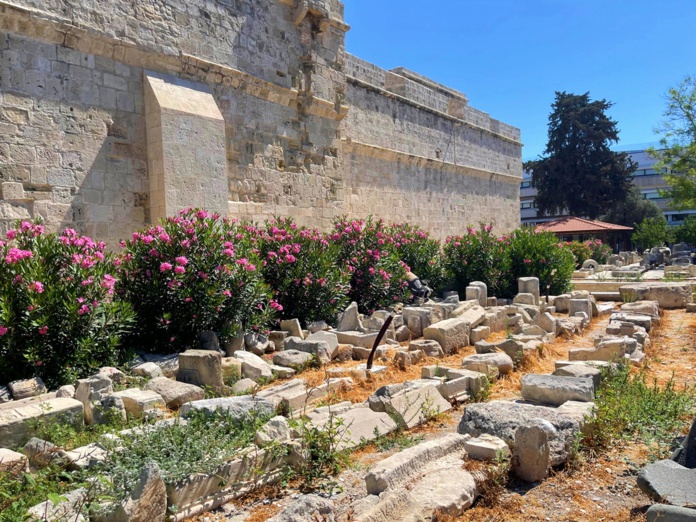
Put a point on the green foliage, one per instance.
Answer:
(302, 269)
(398, 439)
(477, 256)
(599, 251)
(579, 173)
(633, 210)
(677, 152)
(628, 406)
(200, 445)
(57, 317)
(581, 251)
(686, 232)
(20, 491)
(319, 446)
(420, 252)
(653, 232)
(194, 272)
(377, 274)
(538, 254)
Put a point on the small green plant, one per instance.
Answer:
(398, 439)
(319, 447)
(628, 406)
(484, 392)
(428, 410)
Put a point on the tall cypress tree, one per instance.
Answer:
(578, 172)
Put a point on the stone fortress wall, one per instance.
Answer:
(115, 113)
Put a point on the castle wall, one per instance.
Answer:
(308, 130)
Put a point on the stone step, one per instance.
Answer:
(555, 389)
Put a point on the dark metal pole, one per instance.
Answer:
(381, 333)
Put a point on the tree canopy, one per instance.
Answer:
(678, 144)
(653, 232)
(635, 209)
(579, 173)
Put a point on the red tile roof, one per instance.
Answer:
(575, 225)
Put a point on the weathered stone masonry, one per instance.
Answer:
(115, 113)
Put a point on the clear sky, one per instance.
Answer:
(510, 56)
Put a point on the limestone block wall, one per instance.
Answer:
(113, 114)
(72, 134)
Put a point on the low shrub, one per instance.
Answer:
(377, 275)
(538, 254)
(420, 252)
(301, 268)
(58, 320)
(477, 256)
(628, 406)
(194, 272)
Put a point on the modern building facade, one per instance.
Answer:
(646, 177)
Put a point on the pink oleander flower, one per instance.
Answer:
(43, 330)
(243, 261)
(227, 293)
(289, 258)
(37, 287)
(250, 267)
(83, 309)
(181, 260)
(179, 270)
(165, 266)
(3, 330)
(11, 234)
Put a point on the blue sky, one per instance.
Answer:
(510, 56)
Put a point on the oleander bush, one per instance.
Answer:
(58, 316)
(377, 275)
(581, 251)
(538, 254)
(477, 256)
(302, 270)
(194, 272)
(420, 252)
(599, 251)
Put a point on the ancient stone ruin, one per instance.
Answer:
(116, 114)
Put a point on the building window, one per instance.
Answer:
(679, 217)
(526, 184)
(526, 205)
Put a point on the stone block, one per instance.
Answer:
(479, 333)
(487, 447)
(11, 461)
(667, 295)
(318, 348)
(239, 408)
(27, 388)
(667, 481)
(148, 370)
(582, 371)
(425, 316)
(579, 305)
(138, 402)
(90, 393)
(201, 368)
(555, 390)
(330, 338)
(12, 191)
(278, 339)
(531, 455)
(18, 424)
(293, 327)
(451, 334)
(364, 340)
(529, 285)
(429, 347)
(483, 296)
(175, 394)
(349, 320)
(414, 407)
(483, 361)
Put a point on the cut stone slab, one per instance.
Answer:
(276, 430)
(651, 308)
(487, 447)
(42, 454)
(644, 321)
(502, 418)
(667, 481)
(329, 337)
(530, 458)
(513, 348)
(359, 353)
(666, 513)
(175, 394)
(555, 390)
(424, 319)
(448, 490)
(294, 359)
(294, 395)
(546, 322)
(293, 327)
(11, 461)
(278, 337)
(465, 382)
(90, 393)
(27, 388)
(114, 374)
(86, 457)
(65, 510)
(481, 361)
(319, 348)
(580, 305)
(667, 295)
(451, 334)
(253, 367)
(169, 364)
(429, 347)
(147, 500)
(361, 424)
(414, 407)
(364, 340)
(529, 285)
(582, 371)
(480, 333)
(402, 466)
(148, 370)
(525, 298)
(244, 386)
(66, 391)
(240, 407)
(202, 368)
(5, 395)
(17, 424)
(137, 402)
(307, 508)
(606, 351)
(350, 319)
(282, 372)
